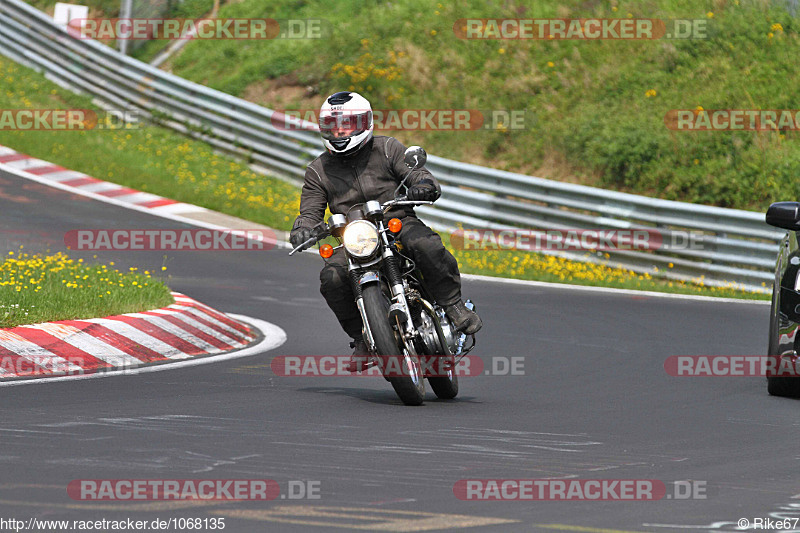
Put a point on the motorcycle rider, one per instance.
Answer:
(357, 167)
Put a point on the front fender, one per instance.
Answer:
(372, 276)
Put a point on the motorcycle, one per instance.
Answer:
(409, 336)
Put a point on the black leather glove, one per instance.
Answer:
(300, 235)
(424, 191)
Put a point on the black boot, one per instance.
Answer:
(463, 319)
(360, 356)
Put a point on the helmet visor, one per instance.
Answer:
(339, 126)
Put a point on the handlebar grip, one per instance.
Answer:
(306, 245)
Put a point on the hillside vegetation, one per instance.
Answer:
(595, 108)
(150, 158)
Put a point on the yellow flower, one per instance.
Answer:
(770, 35)
(501, 51)
(710, 15)
(433, 32)
(551, 64)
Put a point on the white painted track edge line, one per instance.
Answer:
(110, 200)
(612, 290)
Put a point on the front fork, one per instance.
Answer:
(399, 310)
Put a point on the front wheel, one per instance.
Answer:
(445, 387)
(781, 386)
(778, 385)
(401, 368)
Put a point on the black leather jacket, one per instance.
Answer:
(372, 173)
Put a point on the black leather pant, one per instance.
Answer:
(438, 266)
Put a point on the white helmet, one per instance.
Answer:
(345, 122)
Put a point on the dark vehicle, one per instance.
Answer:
(408, 335)
(784, 321)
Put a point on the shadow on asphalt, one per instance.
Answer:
(384, 397)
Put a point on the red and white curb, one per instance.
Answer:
(184, 330)
(79, 181)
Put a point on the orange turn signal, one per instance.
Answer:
(395, 225)
(326, 250)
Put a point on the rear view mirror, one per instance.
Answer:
(415, 157)
(785, 215)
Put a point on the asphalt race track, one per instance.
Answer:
(594, 403)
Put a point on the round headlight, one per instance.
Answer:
(361, 238)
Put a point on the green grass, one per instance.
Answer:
(594, 121)
(190, 9)
(109, 8)
(45, 288)
(595, 108)
(162, 162)
(539, 267)
(150, 159)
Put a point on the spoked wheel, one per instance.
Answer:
(400, 365)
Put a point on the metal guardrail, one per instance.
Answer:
(737, 246)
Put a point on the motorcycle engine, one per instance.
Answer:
(427, 334)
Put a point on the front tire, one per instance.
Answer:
(409, 388)
(445, 387)
(788, 387)
(785, 387)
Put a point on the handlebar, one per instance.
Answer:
(310, 242)
(320, 231)
(403, 200)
